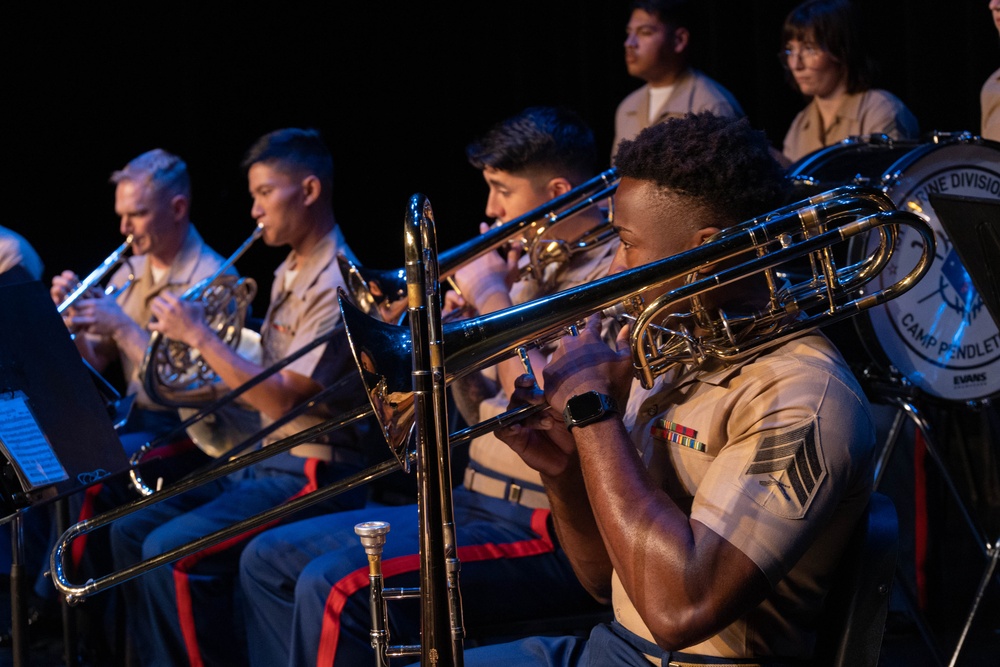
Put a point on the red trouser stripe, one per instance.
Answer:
(182, 585)
(357, 580)
(86, 512)
(90, 494)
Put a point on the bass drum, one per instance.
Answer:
(938, 336)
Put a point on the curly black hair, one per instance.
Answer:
(722, 162)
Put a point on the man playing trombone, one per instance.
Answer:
(184, 613)
(711, 509)
(507, 550)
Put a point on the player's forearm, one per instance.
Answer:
(578, 534)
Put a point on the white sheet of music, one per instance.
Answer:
(25, 445)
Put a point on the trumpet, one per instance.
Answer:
(110, 263)
(759, 246)
(375, 289)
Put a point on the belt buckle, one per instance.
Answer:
(514, 493)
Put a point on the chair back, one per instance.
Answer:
(854, 620)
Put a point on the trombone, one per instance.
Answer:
(771, 241)
(372, 289)
(383, 351)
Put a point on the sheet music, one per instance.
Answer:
(24, 444)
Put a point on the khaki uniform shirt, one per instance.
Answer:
(776, 455)
(989, 99)
(194, 262)
(15, 251)
(488, 452)
(299, 313)
(871, 112)
(693, 92)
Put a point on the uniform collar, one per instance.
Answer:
(182, 269)
(312, 263)
(849, 109)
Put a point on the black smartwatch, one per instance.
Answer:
(588, 408)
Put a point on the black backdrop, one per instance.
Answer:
(397, 90)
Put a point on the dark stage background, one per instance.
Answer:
(397, 91)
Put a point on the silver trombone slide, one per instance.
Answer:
(75, 594)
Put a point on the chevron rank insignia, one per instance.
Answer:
(786, 470)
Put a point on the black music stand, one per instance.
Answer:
(56, 435)
(973, 226)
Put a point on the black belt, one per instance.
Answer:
(681, 659)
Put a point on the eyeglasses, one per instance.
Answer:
(808, 52)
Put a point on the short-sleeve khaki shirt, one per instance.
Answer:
(488, 452)
(870, 112)
(300, 312)
(775, 455)
(693, 92)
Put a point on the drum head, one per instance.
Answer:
(938, 335)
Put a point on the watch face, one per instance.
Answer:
(586, 406)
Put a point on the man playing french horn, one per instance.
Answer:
(712, 509)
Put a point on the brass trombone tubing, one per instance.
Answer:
(231, 396)
(442, 632)
(473, 344)
(256, 437)
(76, 593)
(798, 325)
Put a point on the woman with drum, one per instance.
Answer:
(823, 58)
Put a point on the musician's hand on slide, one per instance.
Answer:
(541, 440)
(585, 363)
(455, 307)
(178, 319)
